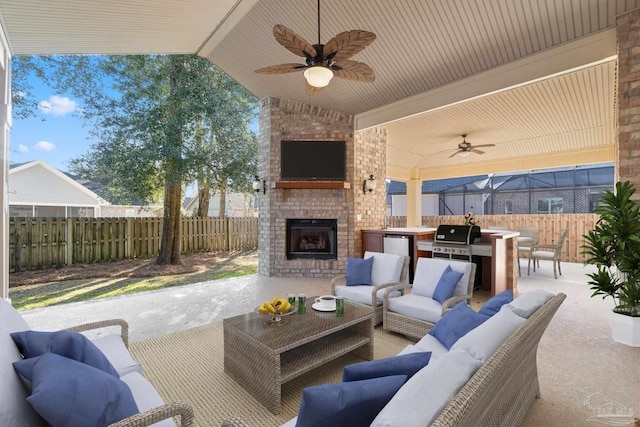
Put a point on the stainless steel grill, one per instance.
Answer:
(454, 241)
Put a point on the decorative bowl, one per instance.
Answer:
(277, 317)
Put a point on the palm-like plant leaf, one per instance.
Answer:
(348, 43)
(293, 42)
(354, 70)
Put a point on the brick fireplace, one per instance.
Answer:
(344, 204)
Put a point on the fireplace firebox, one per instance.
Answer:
(312, 239)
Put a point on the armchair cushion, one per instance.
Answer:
(117, 353)
(362, 294)
(72, 394)
(484, 340)
(428, 392)
(429, 270)
(527, 304)
(350, 404)
(407, 364)
(68, 344)
(446, 284)
(146, 396)
(493, 305)
(456, 323)
(359, 271)
(416, 306)
(386, 268)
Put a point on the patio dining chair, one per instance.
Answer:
(527, 239)
(538, 252)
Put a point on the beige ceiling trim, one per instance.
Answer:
(568, 57)
(241, 8)
(560, 159)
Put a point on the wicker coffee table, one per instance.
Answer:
(261, 356)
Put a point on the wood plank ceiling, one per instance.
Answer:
(421, 45)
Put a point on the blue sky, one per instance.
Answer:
(54, 136)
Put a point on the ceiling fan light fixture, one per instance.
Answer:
(465, 153)
(318, 76)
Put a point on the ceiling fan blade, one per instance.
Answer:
(457, 152)
(281, 69)
(312, 90)
(293, 42)
(348, 43)
(484, 145)
(354, 70)
(477, 151)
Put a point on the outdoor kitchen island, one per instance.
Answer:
(497, 251)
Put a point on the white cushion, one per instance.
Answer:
(432, 344)
(14, 408)
(417, 306)
(291, 423)
(484, 340)
(386, 267)
(146, 396)
(543, 254)
(114, 349)
(428, 392)
(429, 270)
(527, 304)
(362, 294)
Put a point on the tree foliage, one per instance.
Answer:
(160, 121)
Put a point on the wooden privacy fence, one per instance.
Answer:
(39, 243)
(550, 226)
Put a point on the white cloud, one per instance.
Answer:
(23, 148)
(58, 105)
(45, 146)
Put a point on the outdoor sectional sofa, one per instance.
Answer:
(16, 411)
(489, 377)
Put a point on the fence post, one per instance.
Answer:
(128, 246)
(69, 237)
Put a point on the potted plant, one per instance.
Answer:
(614, 247)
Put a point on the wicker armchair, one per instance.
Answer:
(413, 314)
(381, 278)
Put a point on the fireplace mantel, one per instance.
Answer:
(312, 184)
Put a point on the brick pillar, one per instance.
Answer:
(628, 149)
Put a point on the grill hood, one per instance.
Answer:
(457, 234)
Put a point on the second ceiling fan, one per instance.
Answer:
(324, 61)
(466, 148)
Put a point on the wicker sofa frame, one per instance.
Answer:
(417, 328)
(377, 316)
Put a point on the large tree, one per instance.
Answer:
(147, 113)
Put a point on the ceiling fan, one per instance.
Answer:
(323, 62)
(465, 148)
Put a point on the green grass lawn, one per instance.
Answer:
(46, 294)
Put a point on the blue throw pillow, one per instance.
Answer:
(68, 344)
(71, 394)
(406, 364)
(350, 404)
(456, 323)
(493, 304)
(359, 271)
(446, 285)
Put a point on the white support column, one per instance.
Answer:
(5, 128)
(414, 203)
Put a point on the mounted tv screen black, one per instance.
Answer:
(313, 161)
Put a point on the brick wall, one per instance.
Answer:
(284, 119)
(628, 150)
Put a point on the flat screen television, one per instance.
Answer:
(313, 161)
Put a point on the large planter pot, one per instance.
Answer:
(625, 329)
